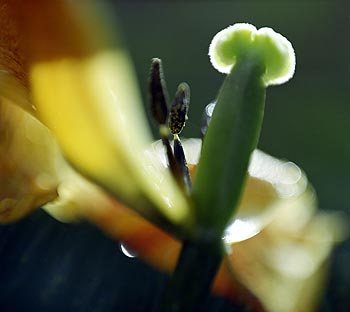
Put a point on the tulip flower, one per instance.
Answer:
(82, 88)
(74, 139)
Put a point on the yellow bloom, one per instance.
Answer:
(27, 163)
(68, 61)
(63, 65)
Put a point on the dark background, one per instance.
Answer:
(49, 266)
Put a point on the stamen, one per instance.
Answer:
(182, 163)
(172, 162)
(160, 113)
(179, 109)
(158, 92)
(178, 115)
(177, 119)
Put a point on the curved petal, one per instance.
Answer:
(28, 175)
(285, 265)
(83, 88)
(289, 238)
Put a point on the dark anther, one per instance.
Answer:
(178, 115)
(158, 92)
(179, 109)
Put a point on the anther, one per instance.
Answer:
(158, 92)
(179, 109)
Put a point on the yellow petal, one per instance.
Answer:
(28, 176)
(83, 88)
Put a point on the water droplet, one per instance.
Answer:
(209, 109)
(127, 251)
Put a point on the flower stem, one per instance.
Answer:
(231, 137)
(191, 282)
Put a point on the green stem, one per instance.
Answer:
(191, 282)
(229, 141)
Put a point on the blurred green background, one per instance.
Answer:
(50, 266)
(307, 120)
